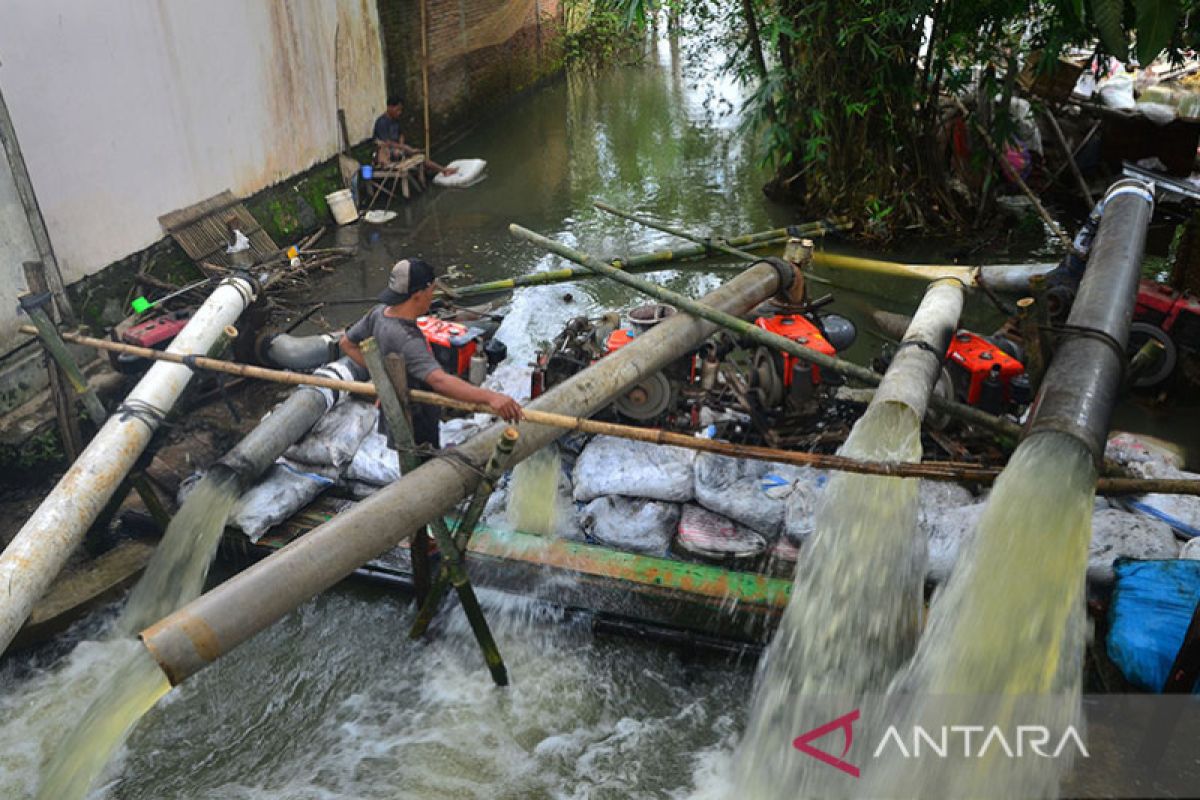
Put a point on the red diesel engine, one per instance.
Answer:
(984, 375)
(1169, 316)
(799, 329)
(453, 345)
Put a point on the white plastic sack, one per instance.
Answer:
(609, 465)
(753, 493)
(1116, 91)
(284, 489)
(1191, 549)
(468, 171)
(374, 462)
(935, 497)
(631, 524)
(1119, 534)
(335, 438)
(948, 531)
(799, 519)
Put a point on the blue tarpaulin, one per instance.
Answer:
(1152, 605)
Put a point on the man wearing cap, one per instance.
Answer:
(393, 323)
(389, 140)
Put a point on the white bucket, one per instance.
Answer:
(342, 206)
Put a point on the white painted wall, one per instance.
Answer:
(16, 247)
(128, 109)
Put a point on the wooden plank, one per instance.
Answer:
(202, 229)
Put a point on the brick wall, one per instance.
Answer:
(482, 54)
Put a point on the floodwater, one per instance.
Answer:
(334, 701)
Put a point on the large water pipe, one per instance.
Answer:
(40, 549)
(1079, 390)
(285, 425)
(915, 368)
(215, 623)
(299, 352)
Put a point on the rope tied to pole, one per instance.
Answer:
(1065, 331)
(148, 414)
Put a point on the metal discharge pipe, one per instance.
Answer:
(299, 352)
(285, 425)
(215, 623)
(918, 362)
(39, 550)
(1080, 387)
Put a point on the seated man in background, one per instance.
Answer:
(389, 140)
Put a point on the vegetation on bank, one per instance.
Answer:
(850, 96)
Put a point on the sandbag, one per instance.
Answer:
(934, 497)
(713, 537)
(799, 519)
(1152, 606)
(948, 530)
(374, 462)
(1120, 534)
(468, 171)
(632, 524)
(609, 465)
(336, 437)
(1190, 549)
(753, 493)
(284, 489)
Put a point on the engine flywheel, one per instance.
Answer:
(647, 399)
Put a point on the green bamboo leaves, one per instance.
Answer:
(1155, 22)
(1107, 15)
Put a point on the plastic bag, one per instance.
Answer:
(374, 462)
(1152, 606)
(335, 438)
(799, 520)
(1116, 91)
(948, 531)
(631, 524)
(284, 489)
(609, 465)
(753, 493)
(1119, 534)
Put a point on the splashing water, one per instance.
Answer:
(1005, 640)
(533, 499)
(855, 610)
(180, 563)
(129, 691)
(132, 682)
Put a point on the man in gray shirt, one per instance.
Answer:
(393, 323)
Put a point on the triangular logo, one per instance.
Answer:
(845, 723)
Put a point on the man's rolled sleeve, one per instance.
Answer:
(419, 362)
(360, 330)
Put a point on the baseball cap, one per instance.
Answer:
(409, 275)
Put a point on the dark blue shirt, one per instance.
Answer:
(387, 129)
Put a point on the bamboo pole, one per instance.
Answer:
(497, 463)
(1012, 174)
(1066, 148)
(757, 334)
(393, 410)
(649, 223)
(649, 262)
(1035, 361)
(425, 77)
(930, 470)
(52, 341)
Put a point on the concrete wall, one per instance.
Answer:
(481, 54)
(16, 247)
(128, 109)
